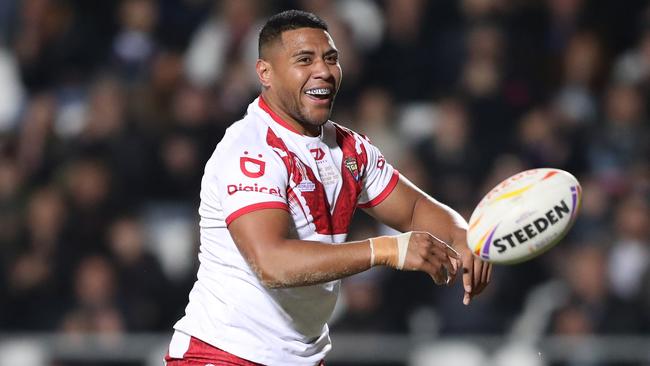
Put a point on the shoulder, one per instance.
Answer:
(244, 140)
(247, 133)
(347, 137)
(346, 133)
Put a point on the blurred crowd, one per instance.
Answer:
(109, 110)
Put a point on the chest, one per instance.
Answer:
(324, 186)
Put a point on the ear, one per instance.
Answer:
(264, 73)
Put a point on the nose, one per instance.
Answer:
(321, 69)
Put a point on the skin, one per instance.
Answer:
(263, 236)
(302, 59)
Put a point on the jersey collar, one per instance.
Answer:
(265, 107)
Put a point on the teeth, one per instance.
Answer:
(319, 91)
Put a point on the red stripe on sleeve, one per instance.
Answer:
(255, 207)
(383, 195)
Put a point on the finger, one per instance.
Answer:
(489, 278)
(486, 276)
(439, 278)
(481, 270)
(453, 253)
(456, 263)
(437, 270)
(478, 272)
(468, 274)
(444, 260)
(474, 279)
(452, 275)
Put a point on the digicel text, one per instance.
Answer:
(232, 189)
(539, 225)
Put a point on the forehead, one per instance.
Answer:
(307, 39)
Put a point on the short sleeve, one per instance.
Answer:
(380, 178)
(248, 180)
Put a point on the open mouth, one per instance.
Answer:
(319, 93)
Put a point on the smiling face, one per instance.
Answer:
(301, 75)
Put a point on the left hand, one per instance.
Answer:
(476, 272)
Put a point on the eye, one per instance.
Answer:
(304, 60)
(332, 59)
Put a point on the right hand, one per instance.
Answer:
(431, 255)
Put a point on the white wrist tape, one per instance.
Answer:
(372, 253)
(402, 248)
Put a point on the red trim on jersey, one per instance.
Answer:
(201, 353)
(255, 207)
(352, 168)
(298, 171)
(275, 117)
(383, 195)
(292, 197)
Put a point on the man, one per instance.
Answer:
(277, 198)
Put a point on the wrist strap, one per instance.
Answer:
(402, 248)
(389, 250)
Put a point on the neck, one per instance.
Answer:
(293, 124)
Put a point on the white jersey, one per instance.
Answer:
(262, 162)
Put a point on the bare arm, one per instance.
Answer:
(409, 209)
(261, 237)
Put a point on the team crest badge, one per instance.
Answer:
(351, 165)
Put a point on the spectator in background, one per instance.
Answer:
(621, 138)
(119, 107)
(134, 44)
(194, 116)
(95, 307)
(10, 204)
(109, 134)
(629, 258)
(590, 307)
(179, 171)
(451, 151)
(482, 82)
(140, 281)
(36, 145)
(541, 142)
(55, 44)
(375, 117)
(10, 223)
(633, 67)
(88, 188)
(41, 25)
(582, 68)
(37, 273)
(404, 40)
(11, 89)
(594, 217)
(223, 52)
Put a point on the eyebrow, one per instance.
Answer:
(311, 53)
(303, 52)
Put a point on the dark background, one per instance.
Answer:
(110, 109)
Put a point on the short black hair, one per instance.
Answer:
(287, 20)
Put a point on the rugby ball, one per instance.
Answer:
(524, 216)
